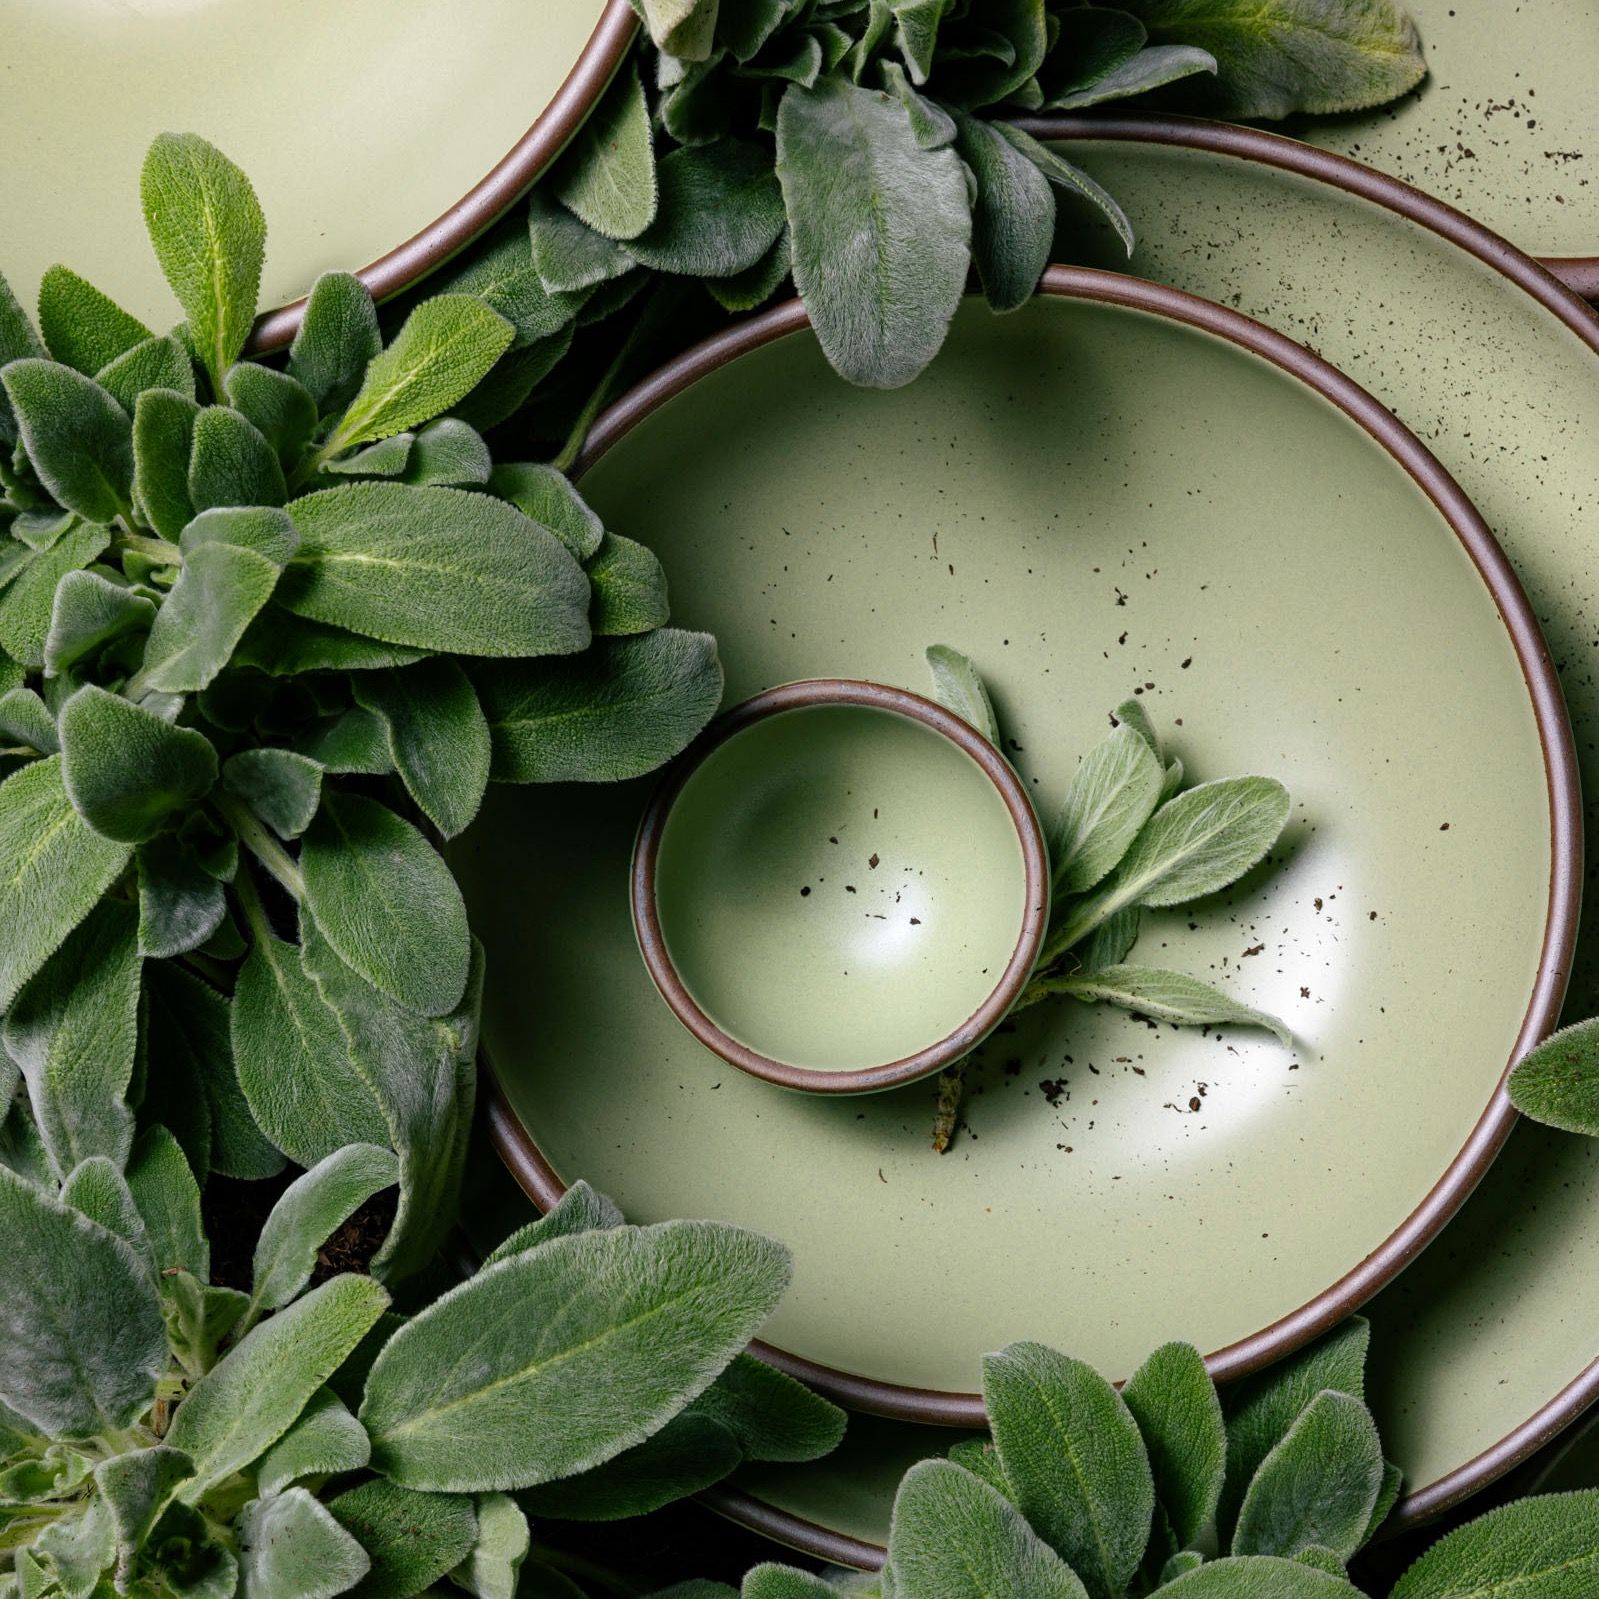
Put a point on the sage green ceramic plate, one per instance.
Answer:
(375, 131)
(1506, 126)
(1115, 490)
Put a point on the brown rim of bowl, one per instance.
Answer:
(538, 1179)
(899, 702)
(490, 198)
(1579, 273)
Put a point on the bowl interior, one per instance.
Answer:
(1088, 501)
(839, 886)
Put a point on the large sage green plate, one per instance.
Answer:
(375, 131)
(1115, 490)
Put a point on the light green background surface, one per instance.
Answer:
(840, 887)
(1507, 125)
(360, 122)
(1090, 502)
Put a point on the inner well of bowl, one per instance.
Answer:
(839, 886)
(1089, 502)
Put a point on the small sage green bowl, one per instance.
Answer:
(841, 887)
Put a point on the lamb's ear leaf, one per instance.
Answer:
(163, 364)
(1260, 1577)
(958, 688)
(1013, 221)
(168, 1198)
(1548, 1545)
(27, 603)
(1151, 68)
(547, 495)
(1179, 1418)
(283, 788)
(493, 1569)
(88, 612)
(96, 1188)
(163, 441)
(413, 1539)
(210, 238)
(292, 1547)
(136, 1488)
(772, 1416)
(607, 176)
(640, 1336)
(629, 589)
(324, 1442)
(231, 462)
(219, 592)
(83, 327)
(772, 1581)
(79, 440)
(578, 1210)
(281, 408)
(338, 335)
(1557, 1082)
(80, 1318)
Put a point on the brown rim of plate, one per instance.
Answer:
(544, 1186)
(899, 702)
(489, 199)
(1579, 273)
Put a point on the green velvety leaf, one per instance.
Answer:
(127, 770)
(475, 1394)
(1318, 1486)
(264, 529)
(436, 568)
(499, 271)
(1152, 68)
(162, 364)
(1543, 1548)
(681, 28)
(978, 1456)
(492, 1569)
(27, 603)
(1013, 221)
(423, 1072)
(1112, 795)
(954, 1537)
(311, 1209)
(210, 238)
(1174, 1402)
(290, 1547)
(338, 335)
(547, 496)
(304, 1091)
(76, 1550)
(1179, 1564)
(255, 1393)
(324, 1442)
(386, 903)
(771, 1581)
(412, 1538)
(136, 1488)
(932, 125)
(168, 1198)
(78, 438)
(1320, 56)
(96, 1188)
(513, 378)
(355, 741)
(230, 463)
(219, 592)
(568, 254)
(629, 588)
(1094, 40)
(744, 291)
(1044, 1409)
(18, 341)
(689, 1454)
(446, 345)
(437, 736)
(284, 645)
(26, 720)
(39, 530)
(83, 327)
(958, 688)
(52, 870)
(1163, 996)
(1259, 1577)
(281, 409)
(88, 612)
(449, 452)
(71, 1031)
(1393, 1479)
(387, 458)
(1260, 1409)
(1064, 175)
(79, 1319)
(282, 788)
(720, 211)
(196, 1089)
(163, 441)
(607, 175)
(1112, 941)
(578, 1210)
(618, 711)
(1557, 1082)
(772, 1416)
(880, 229)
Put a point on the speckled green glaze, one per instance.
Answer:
(1091, 502)
(1506, 126)
(839, 887)
(359, 123)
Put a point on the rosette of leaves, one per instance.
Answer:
(866, 149)
(166, 1438)
(1129, 836)
(263, 630)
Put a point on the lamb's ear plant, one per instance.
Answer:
(866, 150)
(1128, 836)
(165, 1438)
(266, 632)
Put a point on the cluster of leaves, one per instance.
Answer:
(865, 149)
(260, 628)
(166, 1438)
(1128, 836)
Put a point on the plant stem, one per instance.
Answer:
(266, 849)
(951, 1091)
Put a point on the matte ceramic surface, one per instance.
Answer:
(360, 123)
(1506, 126)
(841, 887)
(1091, 501)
